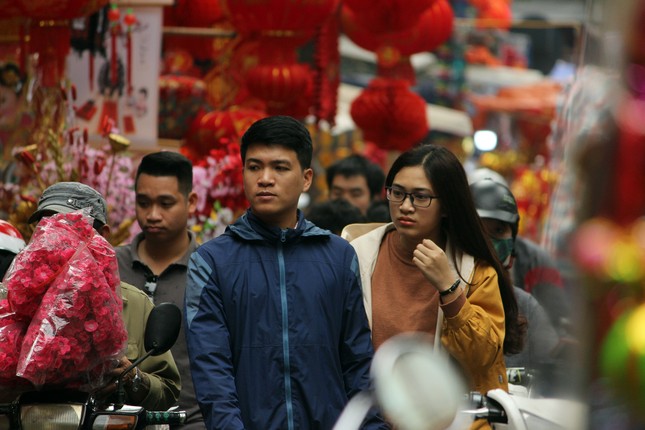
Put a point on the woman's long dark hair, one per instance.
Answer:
(462, 225)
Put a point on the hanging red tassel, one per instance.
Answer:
(113, 17)
(129, 20)
(327, 70)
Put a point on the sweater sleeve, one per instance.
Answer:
(209, 351)
(474, 335)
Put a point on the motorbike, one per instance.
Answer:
(68, 409)
(419, 388)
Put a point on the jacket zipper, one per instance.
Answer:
(285, 333)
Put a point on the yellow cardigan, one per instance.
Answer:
(473, 333)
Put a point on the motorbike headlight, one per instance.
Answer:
(51, 416)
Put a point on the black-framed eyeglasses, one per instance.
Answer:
(418, 199)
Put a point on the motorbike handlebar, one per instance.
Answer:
(165, 417)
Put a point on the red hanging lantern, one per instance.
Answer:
(386, 16)
(292, 18)
(280, 27)
(394, 49)
(327, 70)
(49, 33)
(432, 28)
(58, 9)
(278, 85)
(51, 40)
(209, 130)
(193, 13)
(196, 13)
(9, 9)
(390, 115)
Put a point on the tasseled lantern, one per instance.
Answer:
(280, 26)
(390, 115)
(387, 16)
(49, 33)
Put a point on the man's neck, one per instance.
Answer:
(159, 255)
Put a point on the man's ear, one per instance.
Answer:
(308, 175)
(105, 231)
(192, 202)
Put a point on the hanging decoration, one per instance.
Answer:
(209, 130)
(49, 32)
(193, 13)
(393, 48)
(388, 112)
(88, 34)
(327, 70)
(114, 15)
(280, 26)
(129, 20)
(390, 115)
(387, 16)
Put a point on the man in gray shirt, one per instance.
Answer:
(157, 258)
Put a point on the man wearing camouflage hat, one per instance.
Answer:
(155, 383)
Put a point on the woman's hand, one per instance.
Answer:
(433, 263)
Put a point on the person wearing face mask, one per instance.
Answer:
(497, 209)
(531, 268)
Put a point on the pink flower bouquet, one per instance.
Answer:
(12, 331)
(65, 285)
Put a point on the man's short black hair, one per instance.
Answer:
(283, 131)
(357, 165)
(168, 163)
(334, 215)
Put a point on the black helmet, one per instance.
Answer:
(494, 200)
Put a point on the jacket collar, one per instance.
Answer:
(250, 227)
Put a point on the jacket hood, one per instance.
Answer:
(250, 227)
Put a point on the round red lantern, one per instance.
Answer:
(8, 9)
(432, 28)
(390, 115)
(386, 16)
(279, 85)
(196, 13)
(292, 18)
(209, 131)
(279, 26)
(58, 9)
(49, 32)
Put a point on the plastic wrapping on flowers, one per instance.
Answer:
(61, 322)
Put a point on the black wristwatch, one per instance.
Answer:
(452, 288)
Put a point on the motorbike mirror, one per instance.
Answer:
(162, 328)
(416, 386)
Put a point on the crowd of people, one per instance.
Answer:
(284, 311)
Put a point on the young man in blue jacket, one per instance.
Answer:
(276, 329)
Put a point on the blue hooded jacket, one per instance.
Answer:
(276, 328)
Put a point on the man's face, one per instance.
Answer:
(273, 182)
(162, 210)
(354, 189)
(497, 229)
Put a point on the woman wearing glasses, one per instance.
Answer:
(432, 269)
